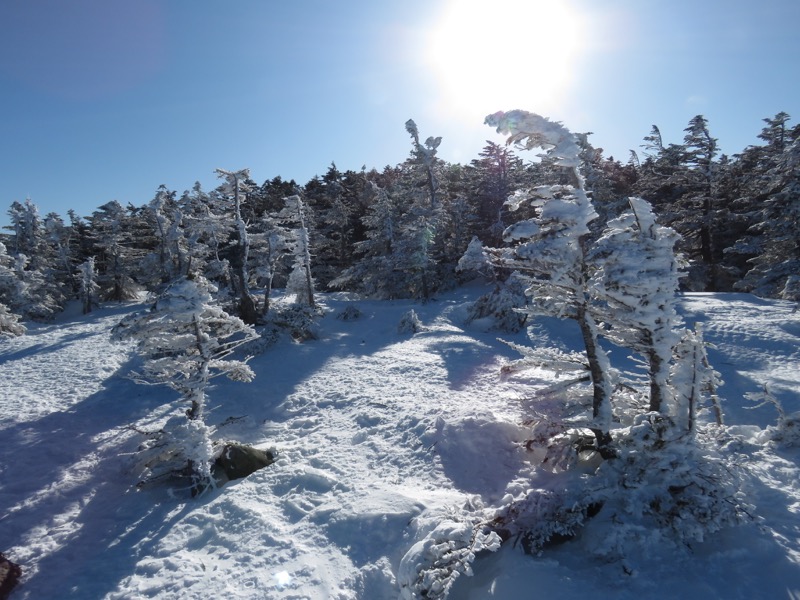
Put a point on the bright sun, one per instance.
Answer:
(505, 54)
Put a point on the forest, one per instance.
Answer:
(401, 231)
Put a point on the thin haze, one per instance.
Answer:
(108, 99)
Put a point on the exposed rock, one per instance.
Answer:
(237, 461)
(9, 576)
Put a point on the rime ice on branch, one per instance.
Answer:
(551, 249)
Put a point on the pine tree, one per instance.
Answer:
(10, 325)
(637, 281)
(301, 282)
(88, 285)
(186, 340)
(235, 187)
(551, 249)
(117, 254)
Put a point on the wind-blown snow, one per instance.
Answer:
(379, 435)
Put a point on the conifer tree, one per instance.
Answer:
(235, 187)
(636, 278)
(186, 340)
(551, 249)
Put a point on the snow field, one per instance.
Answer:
(380, 436)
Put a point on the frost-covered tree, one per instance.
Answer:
(637, 280)
(476, 261)
(271, 242)
(32, 295)
(59, 238)
(28, 231)
(235, 187)
(301, 282)
(160, 212)
(185, 341)
(374, 273)
(10, 325)
(424, 156)
(204, 233)
(117, 253)
(551, 249)
(88, 285)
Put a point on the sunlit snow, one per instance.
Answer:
(380, 436)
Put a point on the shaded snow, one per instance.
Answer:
(378, 435)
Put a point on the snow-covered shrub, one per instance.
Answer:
(476, 261)
(693, 380)
(410, 323)
(351, 313)
(9, 323)
(300, 320)
(500, 306)
(431, 566)
(665, 486)
(180, 450)
(787, 430)
(539, 517)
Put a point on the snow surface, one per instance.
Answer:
(379, 435)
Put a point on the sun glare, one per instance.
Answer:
(503, 55)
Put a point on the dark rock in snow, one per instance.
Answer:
(9, 576)
(237, 461)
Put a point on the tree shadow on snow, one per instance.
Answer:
(55, 467)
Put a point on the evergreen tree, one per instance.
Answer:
(10, 325)
(235, 187)
(301, 282)
(775, 240)
(637, 281)
(498, 171)
(186, 340)
(551, 249)
(113, 237)
(88, 285)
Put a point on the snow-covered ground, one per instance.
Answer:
(378, 434)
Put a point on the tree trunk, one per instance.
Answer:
(655, 376)
(601, 388)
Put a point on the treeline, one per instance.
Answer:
(400, 232)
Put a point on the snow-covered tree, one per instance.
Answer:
(270, 243)
(637, 280)
(59, 237)
(424, 156)
(235, 187)
(185, 341)
(476, 260)
(551, 248)
(374, 273)
(28, 231)
(301, 283)
(693, 381)
(116, 250)
(205, 232)
(88, 285)
(10, 325)
(159, 213)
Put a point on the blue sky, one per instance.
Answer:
(108, 99)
